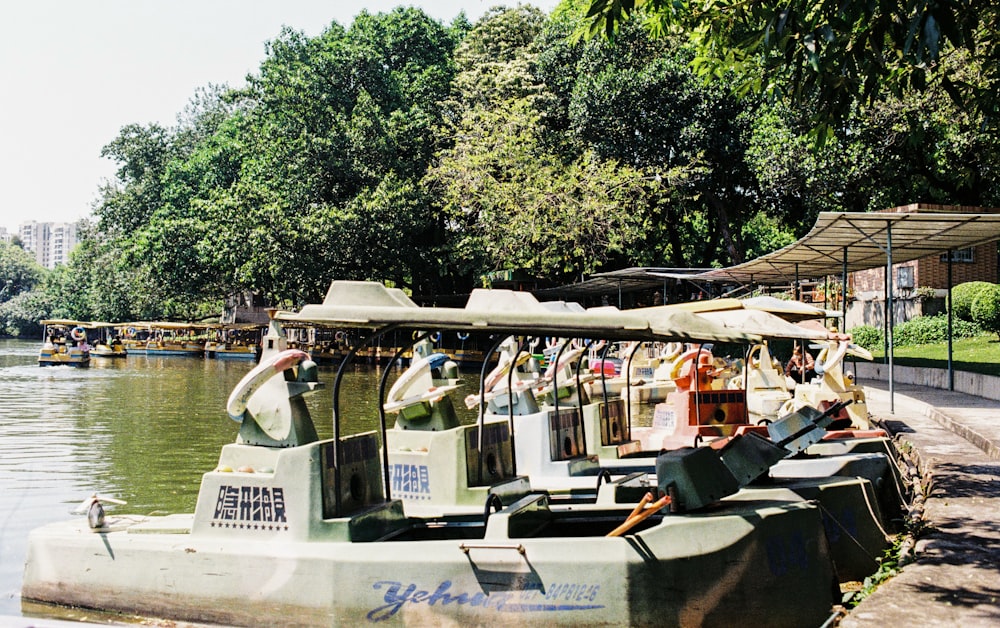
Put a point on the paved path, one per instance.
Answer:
(955, 579)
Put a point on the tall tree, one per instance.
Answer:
(512, 202)
(19, 272)
(635, 100)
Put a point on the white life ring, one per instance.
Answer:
(252, 381)
(78, 334)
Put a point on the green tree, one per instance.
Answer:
(20, 316)
(636, 101)
(964, 295)
(128, 203)
(19, 272)
(239, 194)
(512, 202)
(827, 53)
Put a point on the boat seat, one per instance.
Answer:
(522, 519)
(360, 475)
(496, 456)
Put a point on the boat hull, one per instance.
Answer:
(765, 560)
(55, 357)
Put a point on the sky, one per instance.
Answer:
(73, 73)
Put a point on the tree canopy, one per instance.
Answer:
(831, 55)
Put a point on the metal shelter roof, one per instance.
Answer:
(861, 240)
(618, 281)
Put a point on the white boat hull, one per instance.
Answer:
(717, 568)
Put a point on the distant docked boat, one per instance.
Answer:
(234, 342)
(64, 344)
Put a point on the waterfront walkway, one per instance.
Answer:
(955, 578)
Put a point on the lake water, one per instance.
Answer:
(142, 429)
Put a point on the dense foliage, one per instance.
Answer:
(924, 330)
(833, 55)
(428, 155)
(867, 336)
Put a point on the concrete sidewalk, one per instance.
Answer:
(955, 578)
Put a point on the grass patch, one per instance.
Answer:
(975, 355)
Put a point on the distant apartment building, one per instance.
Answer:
(50, 242)
(4, 236)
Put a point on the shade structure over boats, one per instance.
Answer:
(360, 304)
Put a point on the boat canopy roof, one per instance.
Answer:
(65, 322)
(371, 305)
(765, 324)
(166, 325)
(767, 317)
(788, 309)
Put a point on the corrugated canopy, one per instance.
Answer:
(615, 281)
(915, 233)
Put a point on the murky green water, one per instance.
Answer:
(142, 429)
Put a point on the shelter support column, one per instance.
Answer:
(951, 366)
(890, 314)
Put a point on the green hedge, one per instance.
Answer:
(963, 295)
(986, 309)
(868, 337)
(923, 330)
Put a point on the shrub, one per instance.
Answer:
(868, 337)
(925, 330)
(962, 297)
(986, 309)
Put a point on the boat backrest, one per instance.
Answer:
(522, 519)
(566, 437)
(614, 429)
(496, 456)
(360, 478)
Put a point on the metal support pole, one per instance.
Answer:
(890, 314)
(951, 366)
(843, 293)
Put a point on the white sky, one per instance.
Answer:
(74, 72)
